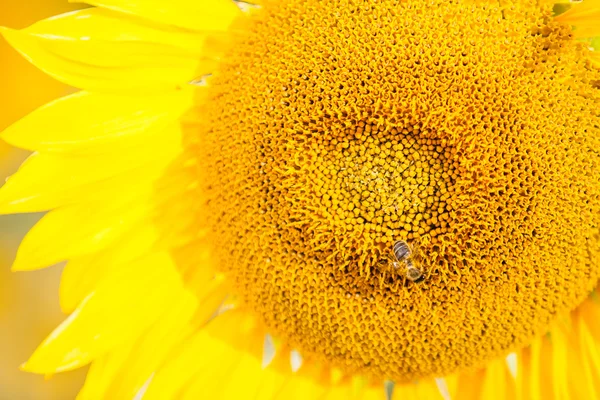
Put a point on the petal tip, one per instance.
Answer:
(9, 34)
(25, 367)
(18, 266)
(4, 30)
(26, 260)
(32, 366)
(45, 364)
(7, 206)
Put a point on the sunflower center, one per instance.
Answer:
(336, 129)
(382, 178)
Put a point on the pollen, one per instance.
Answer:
(468, 130)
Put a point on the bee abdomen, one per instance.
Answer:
(413, 273)
(401, 250)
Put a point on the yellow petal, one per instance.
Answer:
(523, 380)
(271, 383)
(103, 370)
(595, 50)
(120, 309)
(47, 181)
(595, 57)
(169, 382)
(82, 275)
(299, 388)
(144, 356)
(591, 359)
(199, 15)
(340, 392)
(451, 382)
(469, 385)
(77, 230)
(96, 123)
(155, 232)
(357, 387)
(208, 357)
(497, 384)
(559, 362)
(90, 226)
(65, 61)
(200, 353)
(579, 385)
(585, 17)
(541, 370)
(99, 27)
(590, 312)
(243, 377)
(427, 389)
(375, 393)
(210, 297)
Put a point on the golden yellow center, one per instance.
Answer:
(335, 129)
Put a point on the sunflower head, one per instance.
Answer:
(382, 190)
(326, 140)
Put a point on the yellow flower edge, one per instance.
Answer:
(142, 310)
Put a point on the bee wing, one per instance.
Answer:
(416, 248)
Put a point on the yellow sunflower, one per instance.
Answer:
(318, 199)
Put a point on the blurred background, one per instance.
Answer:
(29, 308)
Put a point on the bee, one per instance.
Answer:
(402, 254)
(413, 273)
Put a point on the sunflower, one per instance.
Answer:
(318, 199)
